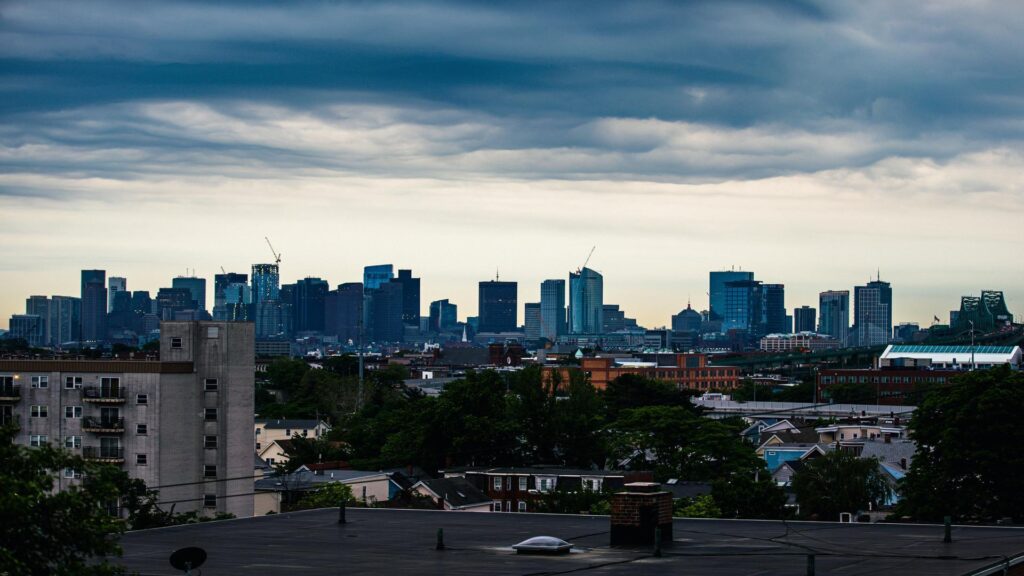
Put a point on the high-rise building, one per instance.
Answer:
(688, 320)
(375, 276)
(94, 305)
(142, 303)
(27, 327)
(905, 332)
(835, 315)
(237, 302)
(410, 297)
(586, 302)
(384, 310)
(65, 322)
(308, 297)
(344, 312)
(743, 307)
(498, 306)
(184, 424)
(552, 309)
(531, 320)
(266, 283)
(170, 301)
(444, 316)
(776, 321)
(716, 290)
(115, 284)
(220, 286)
(872, 313)
(804, 319)
(197, 286)
(273, 319)
(40, 306)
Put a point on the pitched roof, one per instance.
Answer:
(549, 471)
(457, 492)
(305, 479)
(890, 452)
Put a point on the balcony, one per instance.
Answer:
(10, 393)
(103, 425)
(111, 454)
(99, 395)
(13, 420)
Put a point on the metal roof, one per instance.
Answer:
(925, 349)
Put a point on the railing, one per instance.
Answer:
(103, 453)
(10, 392)
(100, 394)
(103, 424)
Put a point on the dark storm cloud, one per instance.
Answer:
(659, 90)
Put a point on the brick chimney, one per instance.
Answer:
(637, 510)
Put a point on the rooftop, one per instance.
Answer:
(378, 541)
(286, 423)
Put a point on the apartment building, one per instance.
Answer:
(686, 371)
(182, 424)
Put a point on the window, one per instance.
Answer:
(72, 473)
(546, 484)
(141, 459)
(38, 440)
(288, 432)
(73, 442)
(72, 411)
(142, 399)
(72, 382)
(209, 471)
(508, 506)
(40, 381)
(258, 445)
(210, 500)
(770, 453)
(211, 383)
(38, 411)
(522, 506)
(210, 442)
(211, 414)
(496, 506)
(141, 429)
(497, 482)
(213, 332)
(522, 483)
(175, 342)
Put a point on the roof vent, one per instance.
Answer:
(542, 545)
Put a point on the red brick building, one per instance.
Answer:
(687, 371)
(893, 386)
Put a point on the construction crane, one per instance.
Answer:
(587, 261)
(223, 270)
(277, 257)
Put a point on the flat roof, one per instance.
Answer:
(377, 541)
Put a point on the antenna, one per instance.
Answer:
(223, 270)
(277, 257)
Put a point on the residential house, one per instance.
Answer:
(518, 489)
(455, 493)
(274, 493)
(270, 429)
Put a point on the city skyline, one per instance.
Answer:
(811, 142)
(530, 291)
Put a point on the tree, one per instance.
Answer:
(632, 391)
(583, 500)
(703, 506)
(968, 462)
(839, 482)
(285, 374)
(330, 495)
(303, 451)
(66, 532)
(746, 495)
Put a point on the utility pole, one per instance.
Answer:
(974, 365)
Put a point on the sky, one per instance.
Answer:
(815, 143)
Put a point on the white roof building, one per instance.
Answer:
(955, 356)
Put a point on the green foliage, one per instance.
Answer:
(703, 506)
(802, 392)
(632, 391)
(303, 451)
(583, 501)
(968, 462)
(66, 532)
(749, 496)
(285, 374)
(839, 482)
(330, 495)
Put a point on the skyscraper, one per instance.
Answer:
(531, 319)
(872, 313)
(220, 286)
(94, 305)
(65, 320)
(410, 297)
(344, 312)
(498, 306)
(775, 320)
(266, 283)
(374, 276)
(743, 307)
(142, 303)
(835, 315)
(384, 311)
(716, 290)
(586, 302)
(115, 284)
(444, 316)
(308, 297)
(552, 309)
(197, 286)
(804, 319)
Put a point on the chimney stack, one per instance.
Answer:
(638, 511)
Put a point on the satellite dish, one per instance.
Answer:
(186, 559)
